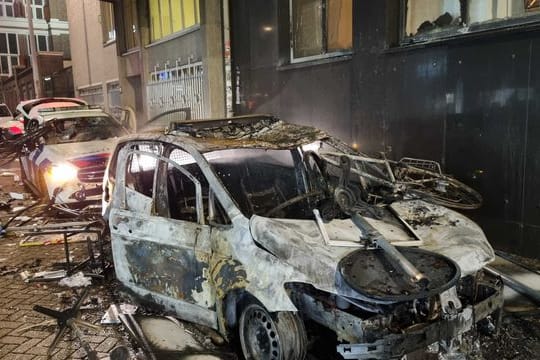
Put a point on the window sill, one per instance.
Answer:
(131, 51)
(109, 43)
(484, 30)
(316, 62)
(174, 36)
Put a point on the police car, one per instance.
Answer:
(68, 159)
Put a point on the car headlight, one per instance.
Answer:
(62, 173)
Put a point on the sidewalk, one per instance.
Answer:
(17, 297)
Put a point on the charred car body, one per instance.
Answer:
(67, 153)
(253, 227)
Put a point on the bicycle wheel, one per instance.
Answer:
(446, 191)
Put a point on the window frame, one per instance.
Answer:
(107, 22)
(9, 55)
(154, 38)
(4, 4)
(35, 9)
(133, 35)
(474, 29)
(204, 217)
(325, 55)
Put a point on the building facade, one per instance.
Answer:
(52, 41)
(158, 55)
(93, 49)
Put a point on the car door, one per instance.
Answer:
(161, 244)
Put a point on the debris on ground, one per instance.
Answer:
(69, 319)
(43, 275)
(16, 196)
(111, 315)
(77, 280)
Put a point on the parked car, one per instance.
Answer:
(5, 115)
(70, 155)
(256, 227)
(8, 125)
(28, 112)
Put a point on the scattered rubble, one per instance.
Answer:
(77, 280)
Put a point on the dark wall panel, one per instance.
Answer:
(318, 96)
(417, 79)
(486, 124)
(531, 208)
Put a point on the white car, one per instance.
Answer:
(28, 111)
(5, 115)
(7, 122)
(71, 153)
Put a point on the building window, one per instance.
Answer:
(171, 16)
(131, 27)
(440, 18)
(37, 9)
(42, 43)
(6, 8)
(107, 22)
(9, 51)
(320, 28)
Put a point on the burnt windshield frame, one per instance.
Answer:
(83, 129)
(255, 182)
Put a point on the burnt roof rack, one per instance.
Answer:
(193, 127)
(70, 108)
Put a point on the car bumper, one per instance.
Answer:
(396, 345)
(75, 193)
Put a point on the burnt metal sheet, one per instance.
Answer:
(165, 269)
(254, 131)
(371, 273)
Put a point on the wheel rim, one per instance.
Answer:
(258, 335)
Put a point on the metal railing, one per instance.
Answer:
(177, 87)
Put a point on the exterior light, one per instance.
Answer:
(62, 173)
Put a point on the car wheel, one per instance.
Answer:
(277, 336)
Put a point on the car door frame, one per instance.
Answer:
(169, 287)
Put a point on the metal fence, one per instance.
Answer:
(175, 88)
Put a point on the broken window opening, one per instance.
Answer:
(186, 186)
(183, 195)
(141, 168)
(259, 180)
(441, 18)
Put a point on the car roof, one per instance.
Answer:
(65, 113)
(27, 105)
(251, 131)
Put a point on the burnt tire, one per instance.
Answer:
(276, 336)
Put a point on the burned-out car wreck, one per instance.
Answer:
(256, 227)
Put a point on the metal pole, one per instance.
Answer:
(33, 49)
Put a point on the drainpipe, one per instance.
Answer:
(86, 44)
(33, 48)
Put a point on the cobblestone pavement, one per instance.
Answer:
(17, 297)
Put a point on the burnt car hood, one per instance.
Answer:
(73, 151)
(300, 244)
